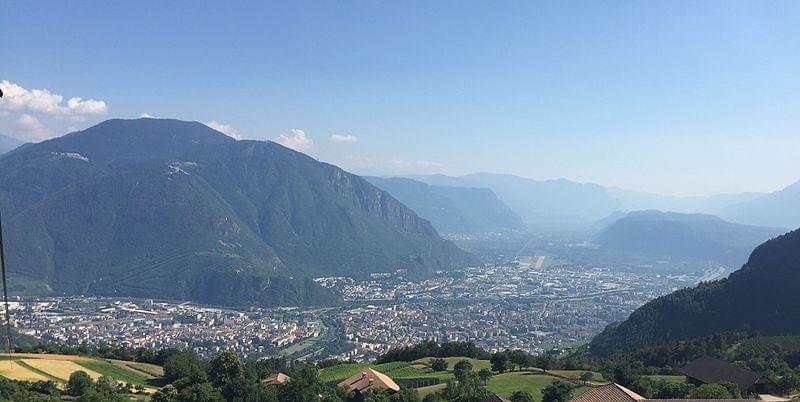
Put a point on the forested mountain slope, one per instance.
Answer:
(174, 209)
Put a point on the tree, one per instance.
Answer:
(586, 376)
(166, 394)
(93, 396)
(521, 396)
(710, 391)
(558, 391)
(675, 390)
(439, 364)
(485, 374)
(202, 392)
(185, 366)
(78, 383)
(105, 385)
(225, 368)
(545, 362)
(405, 395)
(500, 362)
(462, 369)
(518, 358)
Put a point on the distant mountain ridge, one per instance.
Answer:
(684, 235)
(781, 208)
(562, 203)
(545, 203)
(760, 297)
(452, 209)
(173, 209)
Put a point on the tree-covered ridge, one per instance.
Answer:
(173, 209)
(760, 297)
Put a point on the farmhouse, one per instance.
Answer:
(369, 381)
(709, 370)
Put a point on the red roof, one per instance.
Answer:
(608, 393)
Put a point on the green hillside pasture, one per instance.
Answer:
(476, 364)
(576, 375)
(668, 378)
(532, 383)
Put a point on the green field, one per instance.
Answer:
(476, 364)
(530, 382)
(508, 383)
(576, 374)
(668, 378)
(115, 372)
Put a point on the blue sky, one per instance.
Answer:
(673, 97)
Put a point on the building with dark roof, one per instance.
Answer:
(710, 370)
(617, 393)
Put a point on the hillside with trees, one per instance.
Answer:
(174, 209)
(760, 297)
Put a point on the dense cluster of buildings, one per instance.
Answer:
(533, 304)
(143, 323)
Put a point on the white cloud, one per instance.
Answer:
(147, 116)
(17, 98)
(35, 129)
(297, 140)
(35, 114)
(226, 129)
(29, 122)
(344, 138)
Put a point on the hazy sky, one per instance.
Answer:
(678, 97)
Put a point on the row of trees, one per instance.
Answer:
(434, 349)
(510, 360)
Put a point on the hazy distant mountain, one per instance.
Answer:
(452, 209)
(780, 209)
(684, 235)
(637, 200)
(760, 297)
(173, 209)
(548, 202)
(565, 203)
(8, 143)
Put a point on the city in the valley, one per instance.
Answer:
(534, 303)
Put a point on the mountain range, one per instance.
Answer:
(562, 203)
(674, 234)
(452, 209)
(780, 209)
(760, 297)
(173, 209)
(544, 203)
